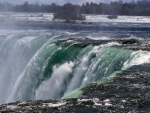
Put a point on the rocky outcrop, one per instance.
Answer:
(125, 43)
(127, 92)
(112, 16)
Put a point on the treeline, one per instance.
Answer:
(141, 7)
(26, 7)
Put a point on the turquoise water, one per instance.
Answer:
(55, 70)
(33, 67)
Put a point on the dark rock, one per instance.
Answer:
(127, 92)
(130, 41)
(133, 44)
(86, 23)
(89, 22)
(112, 16)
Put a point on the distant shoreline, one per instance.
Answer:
(139, 8)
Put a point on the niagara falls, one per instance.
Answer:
(93, 64)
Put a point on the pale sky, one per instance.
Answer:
(60, 2)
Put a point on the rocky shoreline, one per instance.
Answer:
(128, 92)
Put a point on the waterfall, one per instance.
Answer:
(15, 53)
(55, 70)
(33, 67)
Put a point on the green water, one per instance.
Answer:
(57, 70)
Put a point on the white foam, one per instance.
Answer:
(98, 38)
(120, 19)
(137, 58)
(108, 104)
(12, 107)
(110, 44)
(55, 85)
(84, 100)
(56, 105)
(81, 70)
(106, 100)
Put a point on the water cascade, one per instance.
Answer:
(34, 67)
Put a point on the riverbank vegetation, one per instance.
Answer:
(139, 8)
(69, 12)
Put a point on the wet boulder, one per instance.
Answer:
(130, 41)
